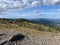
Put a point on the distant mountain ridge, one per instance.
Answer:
(45, 21)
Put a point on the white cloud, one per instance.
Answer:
(55, 10)
(37, 11)
(22, 4)
(58, 10)
(51, 2)
(36, 3)
(55, 2)
(26, 1)
(17, 4)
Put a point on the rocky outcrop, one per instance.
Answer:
(25, 38)
(13, 40)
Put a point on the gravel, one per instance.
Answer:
(30, 39)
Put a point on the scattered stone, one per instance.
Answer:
(24, 38)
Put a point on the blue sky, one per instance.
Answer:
(30, 9)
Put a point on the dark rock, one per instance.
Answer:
(2, 34)
(14, 40)
(17, 37)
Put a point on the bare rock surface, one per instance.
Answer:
(6, 37)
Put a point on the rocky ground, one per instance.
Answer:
(12, 37)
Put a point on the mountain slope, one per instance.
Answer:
(32, 33)
(8, 23)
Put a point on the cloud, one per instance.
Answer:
(36, 3)
(55, 10)
(51, 2)
(38, 11)
(26, 1)
(23, 4)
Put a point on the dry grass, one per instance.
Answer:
(31, 31)
(28, 27)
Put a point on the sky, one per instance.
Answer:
(30, 9)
